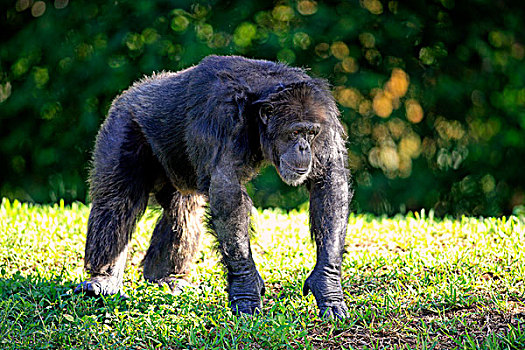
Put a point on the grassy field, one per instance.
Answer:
(411, 282)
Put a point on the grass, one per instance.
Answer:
(410, 282)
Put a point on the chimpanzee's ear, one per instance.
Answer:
(265, 112)
(263, 108)
(263, 102)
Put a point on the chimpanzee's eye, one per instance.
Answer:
(295, 133)
(266, 110)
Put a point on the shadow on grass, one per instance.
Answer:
(37, 294)
(36, 313)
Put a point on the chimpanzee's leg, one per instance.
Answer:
(230, 208)
(175, 239)
(120, 182)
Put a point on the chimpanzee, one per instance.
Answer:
(199, 135)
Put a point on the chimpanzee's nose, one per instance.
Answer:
(303, 145)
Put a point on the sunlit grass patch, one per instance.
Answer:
(410, 282)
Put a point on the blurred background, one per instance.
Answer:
(432, 93)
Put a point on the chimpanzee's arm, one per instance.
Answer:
(329, 206)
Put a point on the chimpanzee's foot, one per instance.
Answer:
(176, 285)
(326, 288)
(100, 285)
(245, 291)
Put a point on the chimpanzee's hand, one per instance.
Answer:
(245, 291)
(326, 288)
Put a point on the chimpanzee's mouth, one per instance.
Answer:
(300, 171)
(297, 170)
(293, 175)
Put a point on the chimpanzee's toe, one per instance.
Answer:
(334, 310)
(176, 285)
(99, 286)
(89, 288)
(248, 307)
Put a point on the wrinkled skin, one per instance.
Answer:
(199, 135)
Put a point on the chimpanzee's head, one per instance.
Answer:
(292, 119)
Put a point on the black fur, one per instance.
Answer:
(201, 134)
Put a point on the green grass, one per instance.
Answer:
(410, 282)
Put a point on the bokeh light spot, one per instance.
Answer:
(60, 4)
(398, 83)
(134, 41)
(84, 51)
(393, 6)
(322, 49)
(364, 125)
(179, 23)
(307, 7)
(283, 13)
(150, 35)
(478, 98)
(497, 39)
(21, 66)
(220, 40)
(428, 147)
(426, 56)
(204, 31)
(22, 5)
(286, 55)
(382, 105)
(373, 56)
(488, 183)
(65, 64)
(38, 8)
(116, 61)
(373, 157)
(517, 51)
(449, 129)
(365, 107)
(348, 97)
(380, 134)
(41, 76)
(397, 128)
(5, 91)
(199, 11)
(367, 40)
(405, 166)
(244, 34)
(389, 158)
(410, 145)
(350, 64)
(374, 6)
(50, 110)
(301, 40)
(340, 50)
(414, 111)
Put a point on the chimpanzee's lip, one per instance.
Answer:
(300, 171)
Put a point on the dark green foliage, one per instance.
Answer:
(61, 64)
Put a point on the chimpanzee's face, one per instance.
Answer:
(292, 122)
(293, 151)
